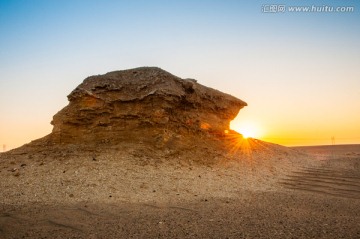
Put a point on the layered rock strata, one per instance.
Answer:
(144, 104)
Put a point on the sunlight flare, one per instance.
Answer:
(247, 129)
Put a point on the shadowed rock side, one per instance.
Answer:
(143, 104)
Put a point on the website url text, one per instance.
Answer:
(281, 8)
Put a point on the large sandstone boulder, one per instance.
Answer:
(144, 104)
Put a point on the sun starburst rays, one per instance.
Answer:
(246, 148)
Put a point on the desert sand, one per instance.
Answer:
(104, 197)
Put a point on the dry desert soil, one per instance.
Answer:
(116, 196)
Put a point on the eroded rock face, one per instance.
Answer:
(144, 104)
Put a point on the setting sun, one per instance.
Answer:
(247, 129)
(247, 133)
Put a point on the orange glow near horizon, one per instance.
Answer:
(297, 131)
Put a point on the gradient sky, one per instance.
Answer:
(299, 72)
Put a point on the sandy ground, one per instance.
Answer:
(118, 196)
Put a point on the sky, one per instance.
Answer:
(299, 72)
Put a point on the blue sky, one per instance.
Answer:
(285, 65)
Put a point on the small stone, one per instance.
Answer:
(23, 165)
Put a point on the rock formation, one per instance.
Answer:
(150, 116)
(144, 104)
